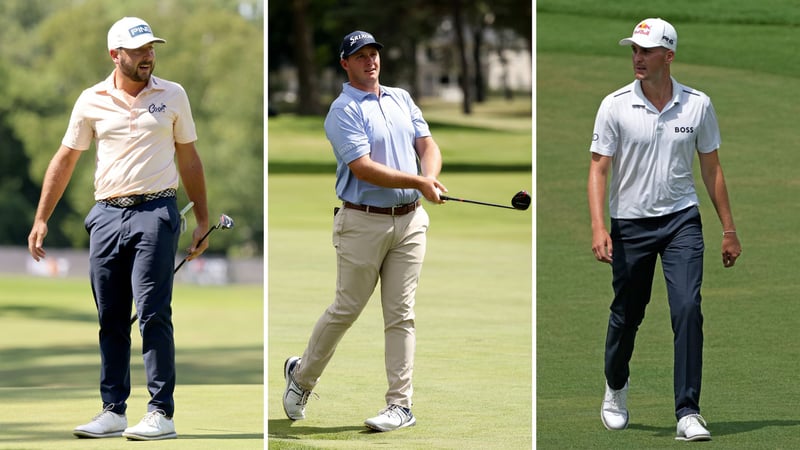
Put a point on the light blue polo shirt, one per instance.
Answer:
(652, 151)
(359, 123)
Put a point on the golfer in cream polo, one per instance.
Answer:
(144, 138)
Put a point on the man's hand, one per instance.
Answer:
(197, 248)
(36, 240)
(602, 246)
(431, 189)
(731, 249)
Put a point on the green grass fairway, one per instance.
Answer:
(497, 136)
(50, 366)
(473, 367)
(751, 353)
(473, 371)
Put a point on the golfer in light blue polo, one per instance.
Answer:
(387, 161)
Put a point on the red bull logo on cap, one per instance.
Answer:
(643, 28)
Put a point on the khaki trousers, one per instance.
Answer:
(370, 247)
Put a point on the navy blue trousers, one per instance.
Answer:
(131, 258)
(678, 239)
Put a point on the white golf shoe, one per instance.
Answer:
(614, 411)
(155, 425)
(105, 424)
(692, 428)
(391, 418)
(295, 397)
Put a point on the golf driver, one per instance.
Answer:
(521, 201)
(225, 223)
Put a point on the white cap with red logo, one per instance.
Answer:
(651, 33)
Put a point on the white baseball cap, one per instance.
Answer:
(130, 33)
(651, 33)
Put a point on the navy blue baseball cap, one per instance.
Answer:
(354, 41)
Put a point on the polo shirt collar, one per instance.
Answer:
(358, 94)
(640, 100)
(108, 84)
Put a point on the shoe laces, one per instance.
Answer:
(616, 398)
(151, 418)
(695, 418)
(304, 393)
(395, 410)
(107, 409)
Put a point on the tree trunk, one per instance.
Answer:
(464, 79)
(307, 82)
(480, 84)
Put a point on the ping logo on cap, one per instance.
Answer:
(139, 29)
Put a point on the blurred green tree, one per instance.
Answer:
(213, 49)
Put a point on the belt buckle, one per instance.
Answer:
(138, 199)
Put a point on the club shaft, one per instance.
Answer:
(455, 199)
(185, 258)
(183, 261)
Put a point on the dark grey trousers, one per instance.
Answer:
(131, 258)
(678, 239)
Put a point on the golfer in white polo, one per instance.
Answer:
(646, 136)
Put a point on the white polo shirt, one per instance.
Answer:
(653, 151)
(135, 142)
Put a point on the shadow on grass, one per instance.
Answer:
(314, 168)
(657, 431)
(224, 436)
(47, 313)
(722, 428)
(32, 432)
(284, 429)
(449, 126)
(745, 426)
(78, 365)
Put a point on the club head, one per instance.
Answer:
(225, 222)
(521, 200)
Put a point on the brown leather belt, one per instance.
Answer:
(133, 200)
(392, 211)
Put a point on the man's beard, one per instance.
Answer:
(132, 71)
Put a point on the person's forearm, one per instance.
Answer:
(714, 180)
(366, 169)
(194, 183)
(596, 192)
(430, 157)
(55, 182)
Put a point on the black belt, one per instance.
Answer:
(133, 200)
(392, 210)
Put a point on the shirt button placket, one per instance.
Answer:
(133, 120)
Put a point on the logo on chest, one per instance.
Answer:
(153, 108)
(684, 130)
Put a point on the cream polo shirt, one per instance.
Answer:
(135, 142)
(653, 151)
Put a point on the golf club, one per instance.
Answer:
(225, 223)
(520, 201)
